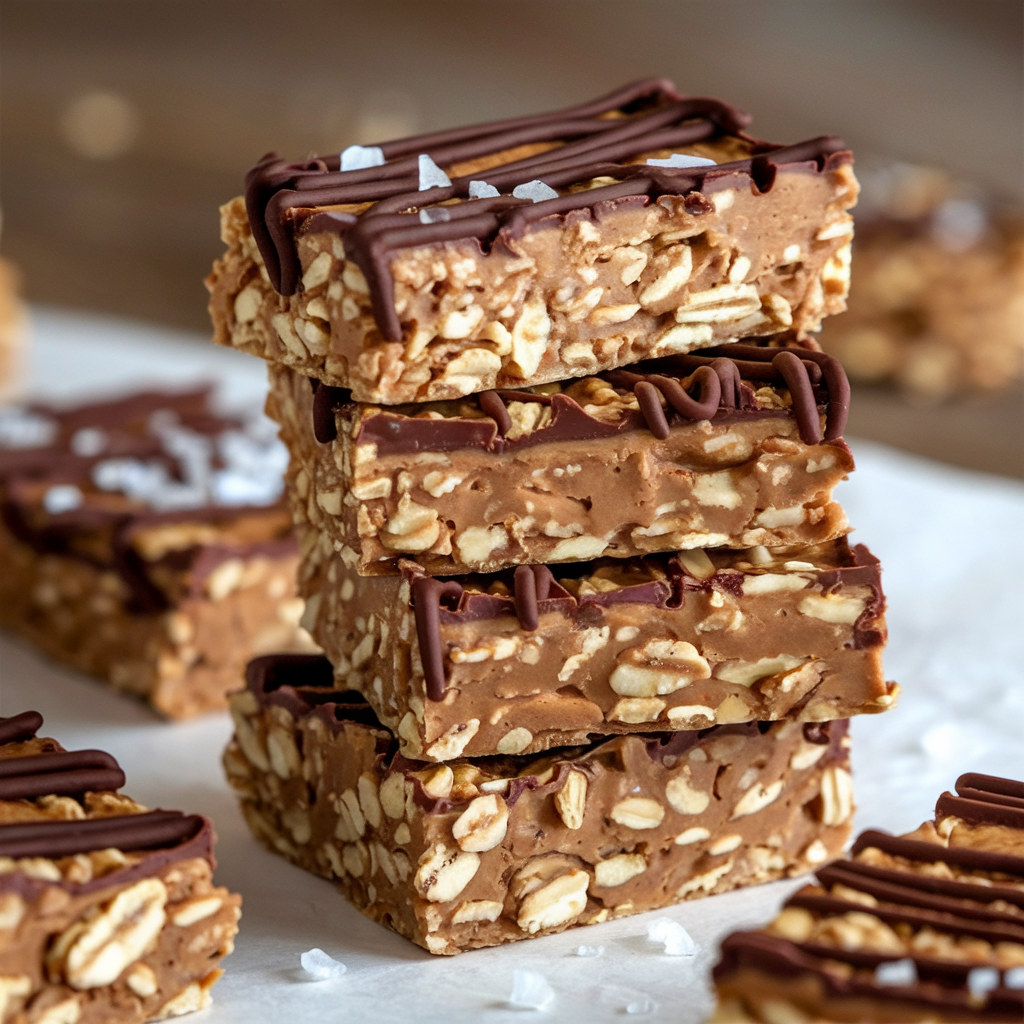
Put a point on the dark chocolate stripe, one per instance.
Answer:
(990, 784)
(427, 595)
(979, 812)
(777, 957)
(952, 923)
(592, 146)
(491, 403)
(57, 761)
(55, 839)
(945, 896)
(62, 773)
(965, 857)
(20, 727)
(397, 434)
(531, 585)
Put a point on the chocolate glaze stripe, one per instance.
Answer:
(800, 370)
(55, 761)
(532, 584)
(370, 245)
(981, 890)
(427, 596)
(965, 857)
(60, 773)
(989, 788)
(20, 727)
(651, 388)
(593, 147)
(894, 914)
(398, 176)
(492, 404)
(396, 434)
(55, 839)
(945, 897)
(778, 957)
(979, 812)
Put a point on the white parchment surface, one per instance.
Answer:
(954, 575)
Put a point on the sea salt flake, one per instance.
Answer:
(88, 442)
(681, 160)
(535, 190)
(959, 224)
(981, 981)
(896, 973)
(641, 1005)
(434, 215)
(431, 176)
(321, 967)
(1014, 977)
(675, 938)
(356, 158)
(531, 991)
(589, 950)
(481, 190)
(20, 428)
(62, 498)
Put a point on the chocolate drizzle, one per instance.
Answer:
(647, 116)
(427, 596)
(62, 773)
(20, 727)
(652, 387)
(986, 903)
(72, 773)
(813, 379)
(532, 584)
(492, 404)
(55, 839)
(533, 590)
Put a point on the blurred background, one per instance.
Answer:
(124, 124)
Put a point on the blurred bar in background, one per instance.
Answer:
(124, 125)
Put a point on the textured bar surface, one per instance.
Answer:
(367, 281)
(575, 470)
(513, 663)
(923, 927)
(144, 542)
(477, 853)
(108, 912)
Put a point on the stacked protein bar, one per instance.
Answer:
(927, 926)
(512, 544)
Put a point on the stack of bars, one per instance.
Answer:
(592, 633)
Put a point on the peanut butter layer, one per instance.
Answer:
(927, 926)
(108, 912)
(481, 852)
(521, 662)
(641, 225)
(576, 470)
(144, 542)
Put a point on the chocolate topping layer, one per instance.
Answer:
(95, 477)
(65, 773)
(569, 149)
(662, 580)
(814, 381)
(20, 727)
(980, 896)
(26, 776)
